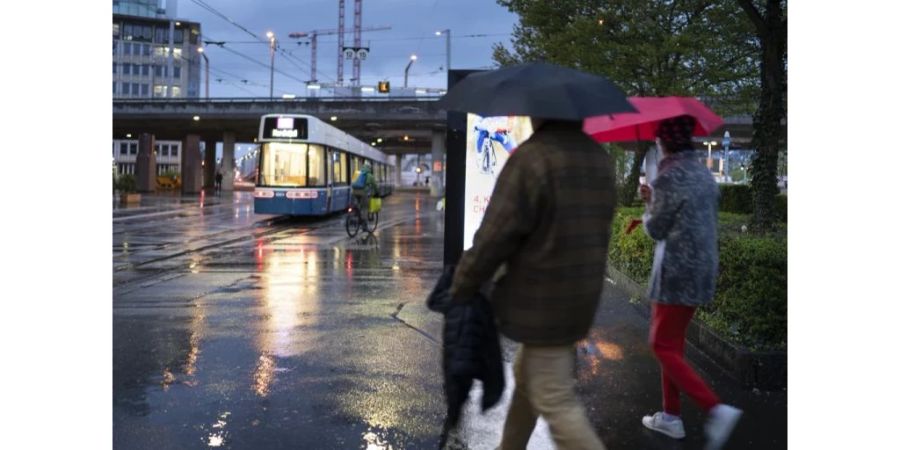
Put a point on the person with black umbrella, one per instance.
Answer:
(548, 223)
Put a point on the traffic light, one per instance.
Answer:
(384, 87)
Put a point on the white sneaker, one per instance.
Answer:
(721, 422)
(673, 427)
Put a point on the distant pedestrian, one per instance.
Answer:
(681, 216)
(218, 182)
(554, 256)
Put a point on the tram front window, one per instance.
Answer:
(283, 165)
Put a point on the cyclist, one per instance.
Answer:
(364, 187)
(484, 140)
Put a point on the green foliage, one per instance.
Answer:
(738, 174)
(632, 254)
(735, 198)
(750, 307)
(781, 207)
(648, 47)
(125, 184)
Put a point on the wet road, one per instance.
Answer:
(236, 330)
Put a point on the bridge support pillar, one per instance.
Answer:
(191, 169)
(438, 150)
(209, 163)
(145, 165)
(398, 171)
(228, 161)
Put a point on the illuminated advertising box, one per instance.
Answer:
(489, 143)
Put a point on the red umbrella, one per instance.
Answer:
(641, 126)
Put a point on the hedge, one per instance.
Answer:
(750, 307)
(125, 183)
(738, 198)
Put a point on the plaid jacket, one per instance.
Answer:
(549, 221)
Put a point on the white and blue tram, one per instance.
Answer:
(306, 166)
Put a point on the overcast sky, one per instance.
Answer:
(413, 24)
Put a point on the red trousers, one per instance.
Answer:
(667, 331)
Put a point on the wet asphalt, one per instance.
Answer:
(244, 331)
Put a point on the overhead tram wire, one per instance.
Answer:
(212, 10)
(223, 75)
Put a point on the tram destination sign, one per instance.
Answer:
(285, 128)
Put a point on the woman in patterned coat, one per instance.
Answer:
(681, 215)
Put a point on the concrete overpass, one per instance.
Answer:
(404, 124)
(389, 118)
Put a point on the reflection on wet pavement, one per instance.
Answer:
(234, 330)
(237, 331)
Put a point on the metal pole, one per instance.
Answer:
(272, 68)
(206, 60)
(412, 59)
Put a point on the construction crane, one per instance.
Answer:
(314, 34)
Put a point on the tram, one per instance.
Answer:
(305, 166)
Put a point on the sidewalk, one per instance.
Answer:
(619, 381)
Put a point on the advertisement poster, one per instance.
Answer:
(489, 143)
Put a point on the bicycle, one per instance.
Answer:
(355, 220)
(485, 147)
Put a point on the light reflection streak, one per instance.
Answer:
(217, 437)
(595, 349)
(375, 442)
(289, 296)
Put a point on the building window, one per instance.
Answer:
(179, 36)
(115, 30)
(114, 67)
(174, 149)
(128, 32)
(177, 72)
(127, 47)
(126, 89)
(114, 88)
(159, 90)
(157, 70)
(161, 35)
(165, 150)
(115, 47)
(123, 148)
(146, 48)
(145, 70)
(126, 69)
(176, 91)
(178, 53)
(135, 88)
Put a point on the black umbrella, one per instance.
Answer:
(538, 90)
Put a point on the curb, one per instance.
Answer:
(761, 370)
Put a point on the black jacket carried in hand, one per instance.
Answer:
(471, 347)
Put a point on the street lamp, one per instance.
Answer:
(447, 34)
(412, 59)
(271, 37)
(206, 60)
(709, 145)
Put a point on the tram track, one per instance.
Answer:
(282, 224)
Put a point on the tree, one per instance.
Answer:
(769, 122)
(697, 48)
